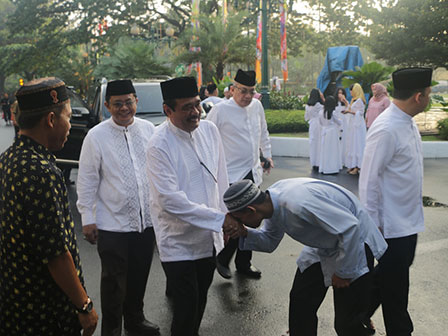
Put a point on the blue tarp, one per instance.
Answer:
(338, 59)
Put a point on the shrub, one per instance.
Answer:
(286, 121)
(443, 128)
(282, 101)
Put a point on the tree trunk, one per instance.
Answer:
(2, 82)
(219, 71)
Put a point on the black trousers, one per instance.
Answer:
(391, 285)
(125, 263)
(189, 282)
(350, 304)
(243, 258)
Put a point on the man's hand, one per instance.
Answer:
(88, 322)
(232, 227)
(268, 170)
(338, 282)
(90, 233)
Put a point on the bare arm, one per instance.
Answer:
(63, 271)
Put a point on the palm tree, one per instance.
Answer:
(368, 74)
(220, 43)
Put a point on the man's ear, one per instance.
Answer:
(252, 209)
(50, 119)
(168, 110)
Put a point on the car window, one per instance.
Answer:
(75, 100)
(149, 98)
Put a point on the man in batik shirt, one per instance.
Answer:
(41, 283)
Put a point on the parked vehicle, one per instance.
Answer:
(83, 119)
(150, 101)
(149, 107)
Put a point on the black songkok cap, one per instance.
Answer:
(241, 194)
(412, 78)
(119, 87)
(181, 87)
(47, 92)
(245, 77)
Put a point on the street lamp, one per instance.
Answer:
(135, 30)
(170, 33)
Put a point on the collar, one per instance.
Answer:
(121, 128)
(26, 142)
(274, 199)
(179, 132)
(396, 111)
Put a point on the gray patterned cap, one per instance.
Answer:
(241, 194)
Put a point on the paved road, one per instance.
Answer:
(260, 307)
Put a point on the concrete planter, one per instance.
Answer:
(299, 147)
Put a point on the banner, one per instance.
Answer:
(224, 11)
(283, 48)
(196, 26)
(258, 50)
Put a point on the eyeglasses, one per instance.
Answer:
(119, 104)
(245, 91)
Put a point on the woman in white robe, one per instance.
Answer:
(312, 110)
(341, 105)
(356, 133)
(330, 161)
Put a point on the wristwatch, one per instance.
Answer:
(86, 308)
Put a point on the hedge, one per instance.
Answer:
(286, 121)
(442, 126)
(285, 101)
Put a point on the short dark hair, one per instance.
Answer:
(403, 94)
(211, 88)
(30, 120)
(172, 103)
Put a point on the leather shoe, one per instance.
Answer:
(251, 272)
(369, 327)
(223, 270)
(145, 328)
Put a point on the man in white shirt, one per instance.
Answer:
(113, 200)
(341, 240)
(227, 92)
(242, 125)
(186, 166)
(390, 186)
(212, 93)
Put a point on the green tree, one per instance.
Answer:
(221, 43)
(6, 8)
(411, 32)
(339, 22)
(131, 58)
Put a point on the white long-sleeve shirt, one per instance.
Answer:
(188, 179)
(113, 187)
(327, 218)
(244, 132)
(391, 180)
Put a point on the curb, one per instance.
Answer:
(299, 147)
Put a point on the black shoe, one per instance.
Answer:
(369, 327)
(251, 272)
(145, 328)
(223, 270)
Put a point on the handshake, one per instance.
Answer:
(233, 228)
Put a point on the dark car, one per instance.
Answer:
(83, 119)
